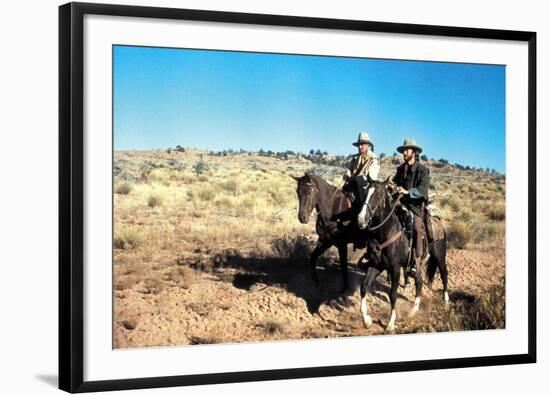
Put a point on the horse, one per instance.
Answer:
(331, 205)
(389, 250)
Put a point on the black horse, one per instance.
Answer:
(333, 207)
(389, 250)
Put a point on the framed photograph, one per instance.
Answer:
(249, 197)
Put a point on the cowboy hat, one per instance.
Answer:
(409, 144)
(363, 138)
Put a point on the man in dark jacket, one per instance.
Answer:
(412, 180)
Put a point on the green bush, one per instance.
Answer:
(200, 167)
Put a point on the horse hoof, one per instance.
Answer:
(413, 312)
(367, 321)
(390, 328)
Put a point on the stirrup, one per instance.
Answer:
(412, 268)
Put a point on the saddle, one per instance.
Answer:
(351, 198)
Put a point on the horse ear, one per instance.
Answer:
(297, 179)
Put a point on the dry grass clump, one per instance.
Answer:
(188, 178)
(465, 215)
(155, 200)
(231, 186)
(191, 195)
(497, 213)
(127, 237)
(123, 188)
(481, 206)
(271, 327)
(187, 277)
(484, 231)
(247, 203)
(294, 248)
(279, 197)
(224, 202)
(206, 194)
(487, 311)
(459, 233)
(451, 202)
(159, 176)
(215, 333)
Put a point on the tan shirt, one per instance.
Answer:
(371, 169)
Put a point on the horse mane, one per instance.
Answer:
(320, 182)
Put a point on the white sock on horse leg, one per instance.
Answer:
(367, 320)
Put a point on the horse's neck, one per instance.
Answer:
(392, 224)
(325, 199)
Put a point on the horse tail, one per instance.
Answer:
(438, 251)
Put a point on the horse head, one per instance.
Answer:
(377, 197)
(307, 197)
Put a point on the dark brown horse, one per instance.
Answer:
(331, 204)
(389, 251)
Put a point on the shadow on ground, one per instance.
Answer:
(293, 275)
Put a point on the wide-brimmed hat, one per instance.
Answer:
(409, 144)
(363, 138)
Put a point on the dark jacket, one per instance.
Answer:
(416, 180)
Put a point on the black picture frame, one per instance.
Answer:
(71, 197)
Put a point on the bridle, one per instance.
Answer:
(371, 211)
(313, 188)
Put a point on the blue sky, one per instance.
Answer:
(217, 100)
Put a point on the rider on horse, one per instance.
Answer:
(364, 166)
(412, 180)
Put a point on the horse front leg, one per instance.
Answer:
(366, 287)
(396, 274)
(343, 255)
(319, 249)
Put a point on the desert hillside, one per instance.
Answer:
(208, 249)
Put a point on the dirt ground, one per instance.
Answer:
(253, 300)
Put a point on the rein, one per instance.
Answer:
(388, 216)
(378, 247)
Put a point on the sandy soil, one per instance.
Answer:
(254, 299)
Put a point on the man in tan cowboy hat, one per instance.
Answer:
(363, 167)
(412, 180)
